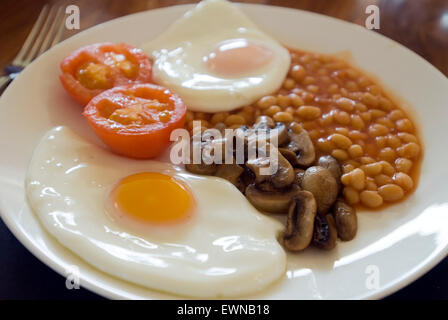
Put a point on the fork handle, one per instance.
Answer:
(4, 81)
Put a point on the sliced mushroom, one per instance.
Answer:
(330, 163)
(299, 173)
(325, 233)
(321, 183)
(230, 172)
(346, 220)
(272, 202)
(300, 143)
(300, 223)
(282, 177)
(274, 130)
(202, 167)
(290, 156)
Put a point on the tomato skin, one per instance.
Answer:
(97, 53)
(143, 141)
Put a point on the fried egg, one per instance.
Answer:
(217, 59)
(152, 223)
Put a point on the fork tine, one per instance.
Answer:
(60, 30)
(18, 60)
(38, 42)
(51, 32)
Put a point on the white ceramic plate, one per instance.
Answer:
(398, 244)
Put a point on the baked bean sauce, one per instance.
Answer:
(348, 116)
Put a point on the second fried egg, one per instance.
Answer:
(217, 59)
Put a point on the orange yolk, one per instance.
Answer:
(238, 56)
(153, 198)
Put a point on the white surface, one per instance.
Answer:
(402, 242)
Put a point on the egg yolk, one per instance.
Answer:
(153, 198)
(237, 56)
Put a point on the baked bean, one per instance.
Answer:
(393, 141)
(291, 110)
(366, 160)
(314, 134)
(343, 131)
(339, 154)
(361, 107)
(355, 151)
(312, 88)
(266, 102)
(340, 141)
(407, 137)
(377, 129)
(369, 99)
(352, 86)
(355, 179)
(357, 135)
(385, 104)
(308, 112)
(385, 122)
(387, 154)
(346, 168)
(298, 72)
(352, 162)
(372, 169)
(391, 192)
(325, 145)
(219, 117)
(296, 101)
(342, 117)
(396, 114)
(357, 122)
(382, 179)
(366, 116)
(371, 199)
(346, 104)
(403, 180)
(403, 165)
(289, 83)
(272, 110)
(283, 116)
(374, 89)
(371, 184)
(377, 113)
(234, 119)
(333, 88)
(381, 141)
(283, 101)
(326, 119)
(308, 80)
(409, 150)
(404, 125)
(387, 168)
(351, 195)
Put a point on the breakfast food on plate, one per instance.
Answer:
(216, 59)
(348, 116)
(303, 187)
(341, 144)
(94, 68)
(136, 120)
(151, 223)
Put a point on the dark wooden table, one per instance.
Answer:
(421, 25)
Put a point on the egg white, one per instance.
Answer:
(178, 55)
(227, 249)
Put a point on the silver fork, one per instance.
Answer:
(46, 32)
